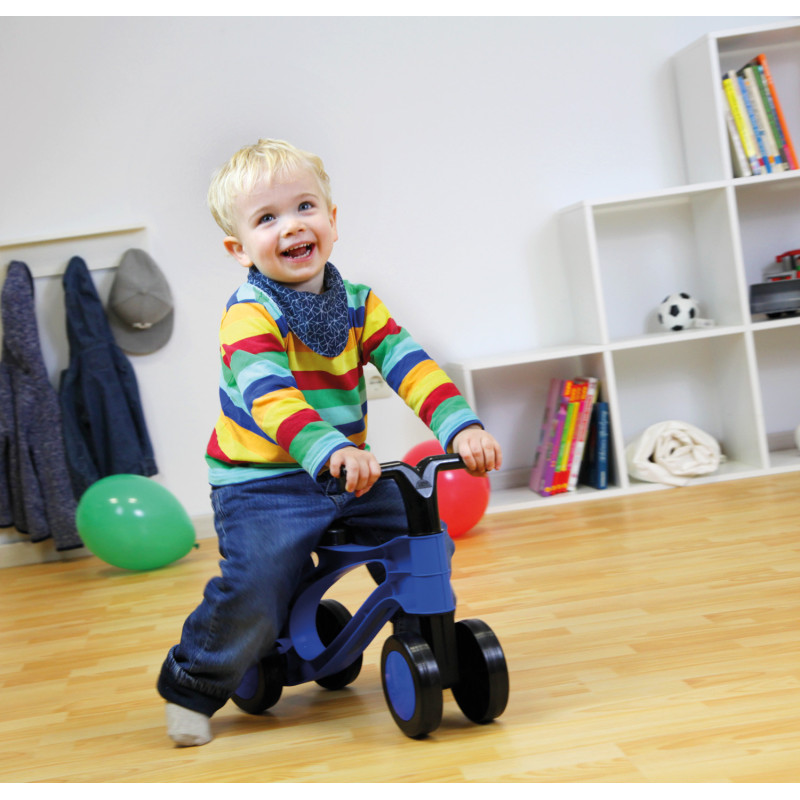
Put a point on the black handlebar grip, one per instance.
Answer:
(418, 488)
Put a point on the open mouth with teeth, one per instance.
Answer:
(301, 251)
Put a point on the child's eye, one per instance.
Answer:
(266, 218)
(306, 206)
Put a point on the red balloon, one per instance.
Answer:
(463, 498)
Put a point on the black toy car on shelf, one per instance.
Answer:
(779, 294)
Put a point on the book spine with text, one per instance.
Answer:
(763, 159)
(554, 446)
(598, 474)
(770, 145)
(581, 431)
(769, 110)
(761, 60)
(730, 86)
(545, 435)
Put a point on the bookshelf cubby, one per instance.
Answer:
(711, 238)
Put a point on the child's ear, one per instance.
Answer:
(236, 249)
(334, 226)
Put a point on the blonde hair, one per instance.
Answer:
(264, 159)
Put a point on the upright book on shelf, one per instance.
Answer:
(574, 392)
(595, 469)
(555, 436)
(771, 150)
(749, 104)
(767, 106)
(733, 95)
(772, 93)
(582, 430)
(545, 435)
(741, 166)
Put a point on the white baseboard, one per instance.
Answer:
(16, 549)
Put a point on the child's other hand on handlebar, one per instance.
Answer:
(361, 467)
(479, 449)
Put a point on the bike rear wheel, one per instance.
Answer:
(482, 688)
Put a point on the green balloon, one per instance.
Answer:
(132, 522)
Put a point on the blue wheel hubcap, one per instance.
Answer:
(400, 686)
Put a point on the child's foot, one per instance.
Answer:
(187, 728)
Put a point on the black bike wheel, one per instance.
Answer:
(412, 685)
(482, 688)
(261, 686)
(332, 617)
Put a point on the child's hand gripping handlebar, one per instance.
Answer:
(418, 488)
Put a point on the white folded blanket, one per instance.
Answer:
(671, 452)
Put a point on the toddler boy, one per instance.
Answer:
(293, 342)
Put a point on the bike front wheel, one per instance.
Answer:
(412, 684)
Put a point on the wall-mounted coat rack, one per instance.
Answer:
(49, 256)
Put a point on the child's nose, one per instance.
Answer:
(293, 224)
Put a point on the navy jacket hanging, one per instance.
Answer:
(6, 440)
(104, 425)
(36, 492)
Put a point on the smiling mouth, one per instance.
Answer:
(301, 251)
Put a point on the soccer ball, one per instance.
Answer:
(677, 312)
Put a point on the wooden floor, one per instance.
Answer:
(653, 638)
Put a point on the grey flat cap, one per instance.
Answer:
(140, 309)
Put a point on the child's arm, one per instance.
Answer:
(479, 449)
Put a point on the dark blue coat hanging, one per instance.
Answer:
(35, 489)
(104, 425)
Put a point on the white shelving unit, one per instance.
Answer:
(711, 238)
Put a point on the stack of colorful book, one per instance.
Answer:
(757, 131)
(570, 421)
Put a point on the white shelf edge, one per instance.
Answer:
(771, 177)
(784, 460)
(676, 337)
(750, 32)
(671, 193)
(772, 324)
(678, 193)
(530, 356)
(522, 498)
(582, 349)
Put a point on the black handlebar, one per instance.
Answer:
(418, 488)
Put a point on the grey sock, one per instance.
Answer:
(187, 728)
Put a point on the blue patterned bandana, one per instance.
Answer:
(320, 321)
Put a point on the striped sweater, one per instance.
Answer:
(287, 408)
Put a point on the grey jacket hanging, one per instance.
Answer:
(104, 425)
(33, 463)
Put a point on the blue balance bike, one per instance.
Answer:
(427, 653)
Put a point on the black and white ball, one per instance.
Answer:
(677, 312)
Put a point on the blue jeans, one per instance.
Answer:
(267, 530)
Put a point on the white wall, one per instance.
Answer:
(451, 142)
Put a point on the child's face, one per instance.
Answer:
(286, 230)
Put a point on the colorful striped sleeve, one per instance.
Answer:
(412, 373)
